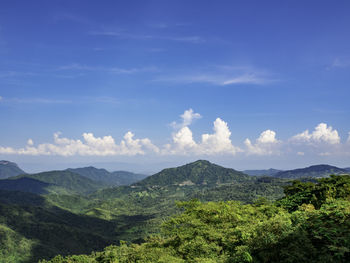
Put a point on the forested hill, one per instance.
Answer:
(268, 172)
(317, 171)
(197, 173)
(9, 169)
(68, 180)
(109, 178)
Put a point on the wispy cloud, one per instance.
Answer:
(194, 39)
(221, 76)
(114, 70)
(33, 101)
(339, 63)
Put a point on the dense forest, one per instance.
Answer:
(310, 224)
(199, 212)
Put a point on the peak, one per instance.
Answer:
(200, 162)
(4, 162)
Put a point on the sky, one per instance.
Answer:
(144, 85)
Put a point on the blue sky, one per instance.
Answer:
(141, 85)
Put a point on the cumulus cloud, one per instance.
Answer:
(187, 118)
(321, 134)
(91, 145)
(218, 142)
(266, 144)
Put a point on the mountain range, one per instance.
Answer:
(94, 209)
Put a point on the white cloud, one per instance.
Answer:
(348, 140)
(218, 142)
(266, 144)
(187, 118)
(321, 134)
(90, 146)
(30, 142)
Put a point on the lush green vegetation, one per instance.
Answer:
(73, 183)
(317, 230)
(62, 218)
(198, 173)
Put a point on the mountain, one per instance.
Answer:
(269, 172)
(321, 170)
(9, 169)
(24, 184)
(200, 172)
(113, 179)
(72, 182)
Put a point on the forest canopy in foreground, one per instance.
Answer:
(310, 224)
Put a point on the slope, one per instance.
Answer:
(317, 171)
(200, 172)
(9, 169)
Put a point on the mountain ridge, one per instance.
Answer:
(200, 172)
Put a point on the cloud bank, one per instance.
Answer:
(324, 140)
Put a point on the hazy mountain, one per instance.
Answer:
(269, 172)
(24, 184)
(197, 173)
(73, 182)
(113, 179)
(9, 169)
(321, 170)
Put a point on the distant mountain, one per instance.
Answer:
(321, 170)
(24, 184)
(269, 172)
(113, 179)
(72, 182)
(9, 169)
(197, 173)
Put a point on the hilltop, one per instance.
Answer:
(9, 169)
(317, 171)
(108, 178)
(200, 172)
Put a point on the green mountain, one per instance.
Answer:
(9, 169)
(269, 172)
(72, 182)
(32, 228)
(197, 173)
(316, 171)
(25, 184)
(112, 179)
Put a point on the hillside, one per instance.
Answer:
(268, 172)
(24, 184)
(72, 182)
(310, 224)
(316, 171)
(9, 169)
(108, 178)
(197, 173)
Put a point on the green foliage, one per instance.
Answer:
(327, 189)
(71, 182)
(260, 232)
(198, 173)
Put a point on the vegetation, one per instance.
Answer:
(59, 217)
(111, 179)
(260, 232)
